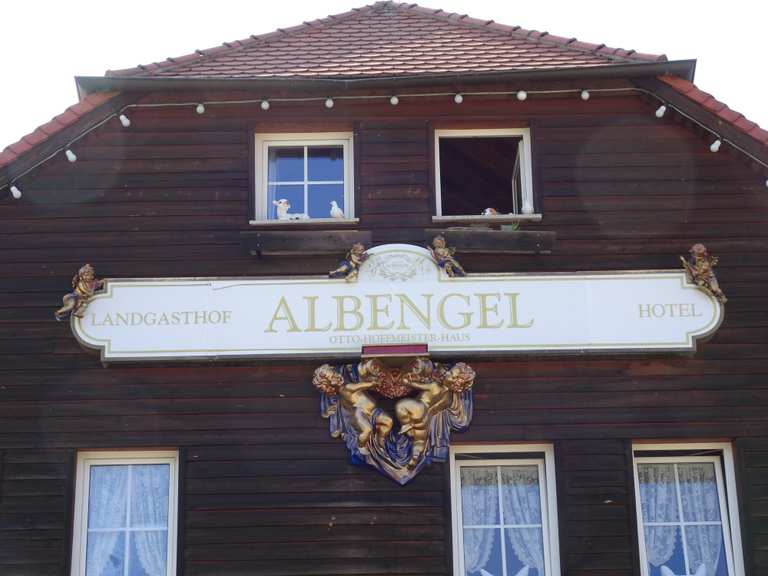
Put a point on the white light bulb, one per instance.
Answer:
(200, 109)
(715, 146)
(394, 100)
(329, 103)
(522, 95)
(124, 120)
(264, 104)
(660, 111)
(15, 192)
(71, 156)
(766, 183)
(585, 95)
(458, 98)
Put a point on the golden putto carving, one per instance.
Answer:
(431, 400)
(84, 286)
(699, 267)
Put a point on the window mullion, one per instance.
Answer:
(501, 522)
(127, 518)
(683, 540)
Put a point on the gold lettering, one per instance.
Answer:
(342, 312)
(485, 308)
(467, 316)
(424, 316)
(312, 315)
(513, 316)
(283, 312)
(377, 309)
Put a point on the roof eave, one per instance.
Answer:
(89, 84)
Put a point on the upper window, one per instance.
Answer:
(483, 172)
(125, 514)
(301, 177)
(687, 520)
(504, 511)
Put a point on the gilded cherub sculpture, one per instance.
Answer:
(435, 398)
(358, 408)
(444, 257)
(699, 268)
(84, 286)
(350, 266)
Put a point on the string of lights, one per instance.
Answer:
(200, 107)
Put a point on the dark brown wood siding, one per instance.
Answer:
(265, 489)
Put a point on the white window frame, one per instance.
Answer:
(264, 141)
(526, 175)
(726, 485)
(85, 460)
(547, 491)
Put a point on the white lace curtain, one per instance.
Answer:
(699, 498)
(479, 505)
(149, 508)
(106, 510)
(521, 505)
(107, 514)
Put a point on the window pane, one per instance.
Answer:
(525, 548)
(663, 546)
(658, 498)
(698, 491)
(477, 173)
(149, 495)
(320, 197)
(520, 495)
(705, 546)
(325, 163)
(482, 551)
(148, 553)
(107, 498)
(105, 555)
(479, 495)
(291, 196)
(286, 164)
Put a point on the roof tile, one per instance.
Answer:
(42, 133)
(416, 40)
(716, 107)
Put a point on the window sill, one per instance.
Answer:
(309, 223)
(491, 219)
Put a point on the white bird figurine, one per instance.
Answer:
(336, 212)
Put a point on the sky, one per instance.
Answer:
(44, 44)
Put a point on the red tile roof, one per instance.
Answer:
(385, 39)
(716, 107)
(388, 39)
(58, 123)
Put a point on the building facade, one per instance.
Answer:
(269, 158)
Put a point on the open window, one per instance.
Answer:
(687, 512)
(304, 178)
(483, 173)
(504, 511)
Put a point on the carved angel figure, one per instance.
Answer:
(700, 270)
(419, 417)
(358, 409)
(349, 267)
(85, 285)
(444, 257)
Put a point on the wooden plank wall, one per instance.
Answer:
(266, 490)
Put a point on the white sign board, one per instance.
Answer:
(400, 297)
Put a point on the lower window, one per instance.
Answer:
(125, 514)
(504, 511)
(687, 519)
